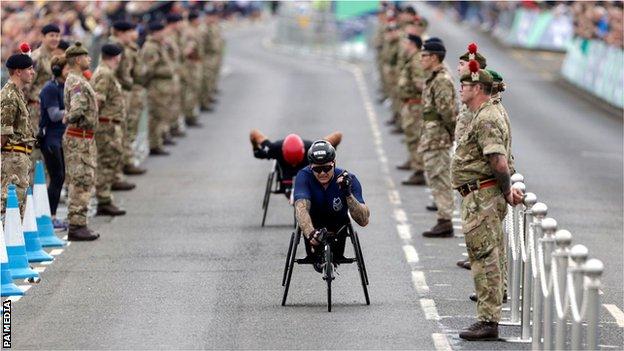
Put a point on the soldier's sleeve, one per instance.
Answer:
(150, 60)
(124, 71)
(491, 134)
(8, 111)
(78, 102)
(101, 84)
(444, 100)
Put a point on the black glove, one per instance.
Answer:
(344, 183)
(319, 235)
(39, 139)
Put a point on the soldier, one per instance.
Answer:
(213, 48)
(81, 117)
(192, 60)
(124, 34)
(439, 116)
(41, 61)
(158, 79)
(481, 174)
(410, 87)
(172, 43)
(109, 134)
(390, 54)
(18, 135)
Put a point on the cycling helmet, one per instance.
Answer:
(320, 152)
(293, 149)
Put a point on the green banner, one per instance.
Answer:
(349, 9)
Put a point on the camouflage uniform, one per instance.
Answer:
(483, 210)
(439, 115)
(109, 134)
(175, 97)
(411, 80)
(159, 79)
(17, 127)
(135, 103)
(42, 58)
(191, 74)
(212, 51)
(80, 153)
(390, 61)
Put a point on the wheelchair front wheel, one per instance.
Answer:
(328, 274)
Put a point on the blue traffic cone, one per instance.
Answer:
(6, 279)
(34, 252)
(42, 209)
(14, 239)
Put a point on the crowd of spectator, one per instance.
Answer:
(600, 20)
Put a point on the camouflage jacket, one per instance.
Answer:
(488, 133)
(80, 102)
(108, 93)
(390, 53)
(497, 102)
(124, 70)
(174, 52)
(439, 111)
(411, 78)
(16, 124)
(463, 120)
(138, 67)
(42, 59)
(157, 63)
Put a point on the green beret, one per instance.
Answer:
(76, 50)
(495, 75)
(472, 54)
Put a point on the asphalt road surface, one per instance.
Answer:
(190, 267)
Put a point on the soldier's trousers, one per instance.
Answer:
(109, 141)
(482, 214)
(80, 162)
(16, 169)
(191, 90)
(412, 123)
(175, 104)
(35, 113)
(159, 112)
(438, 172)
(135, 101)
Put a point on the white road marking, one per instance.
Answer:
(420, 283)
(56, 252)
(616, 313)
(462, 244)
(24, 288)
(14, 298)
(65, 238)
(46, 263)
(429, 307)
(400, 215)
(440, 342)
(39, 269)
(456, 220)
(404, 231)
(458, 227)
(410, 254)
(394, 197)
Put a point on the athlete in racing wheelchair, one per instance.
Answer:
(325, 199)
(289, 157)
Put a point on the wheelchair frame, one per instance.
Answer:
(273, 186)
(328, 275)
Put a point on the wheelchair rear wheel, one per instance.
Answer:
(267, 196)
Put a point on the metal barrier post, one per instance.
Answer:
(511, 247)
(527, 277)
(593, 271)
(549, 227)
(578, 254)
(516, 267)
(539, 211)
(563, 238)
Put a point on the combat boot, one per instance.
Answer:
(461, 263)
(176, 132)
(417, 178)
(405, 166)
(468, 265)
(481, 331)
(193, 123)
(133, 170)
(168, 140)
(396, 130)
(122, 186)
(432, 207)
(444, 229)
(158, 151)
(109, 210)
(81, 233)
(473, 297)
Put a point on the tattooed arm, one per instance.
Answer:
(302, 213)
(499, 165)
(359, 212)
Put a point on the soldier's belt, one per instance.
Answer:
(23, 148)
(431, 116)
(413, 101)
(108, 120)
(469, 187)
(79, 133)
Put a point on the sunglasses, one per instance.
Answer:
(320, 169)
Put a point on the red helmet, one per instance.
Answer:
(293, 149)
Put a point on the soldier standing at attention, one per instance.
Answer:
(109, 134)
(18, 136)
(481, 174)
(41, 62)
(81, 117)
(158, 78)
(174, 50)
(439, 115)
(192, 54)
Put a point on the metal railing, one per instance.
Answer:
(554, 289)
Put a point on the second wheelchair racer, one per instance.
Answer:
(324, 197)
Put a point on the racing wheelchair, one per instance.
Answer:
(328, 261)
(276, 184)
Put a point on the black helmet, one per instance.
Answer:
(321, 151)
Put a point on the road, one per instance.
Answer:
(190, 267)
